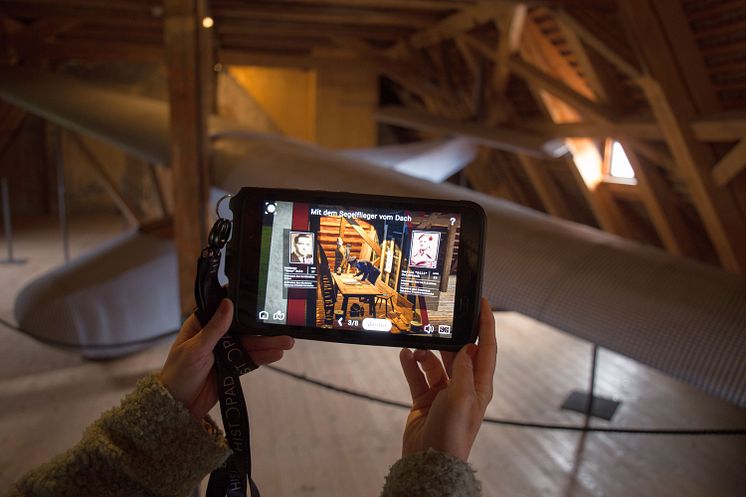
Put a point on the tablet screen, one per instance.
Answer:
(355, 268)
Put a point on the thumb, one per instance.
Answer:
(217, 326)
(463, 368)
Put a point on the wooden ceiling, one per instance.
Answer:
(666, 79)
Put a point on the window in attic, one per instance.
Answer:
(619, 166)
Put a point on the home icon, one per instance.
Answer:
(263, 315)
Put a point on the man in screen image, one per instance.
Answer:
(424, 249)
(366, 269)
(301, 248)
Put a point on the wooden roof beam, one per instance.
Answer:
(239, 57)
(311, 14)
(510, 27)
(656, 194)
(586, 164)
(691, 63)
(98, 51)
(545, 187)
(460, 22)
(407, 74)
(625, 65)
(412, 5)
(716, 128)
(668, 97)
(731, 164)
(585, 106)
(506, 139)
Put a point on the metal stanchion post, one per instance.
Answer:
(61, 201)
(587, 402)
(6, 223)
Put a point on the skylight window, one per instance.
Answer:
(620, 166)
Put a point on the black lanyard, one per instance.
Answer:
(231, 361)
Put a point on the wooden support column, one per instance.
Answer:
(674, 108)
(188, 59)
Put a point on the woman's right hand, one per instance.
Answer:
(449, 398)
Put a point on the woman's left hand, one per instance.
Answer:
(188, 373)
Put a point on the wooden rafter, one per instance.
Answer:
(730, 165)
(511, 30)
(663, 207)
(668, 97)
(720, 128)
(457, 23)
(655, 193)
(586, 165)
(584, 105)
(408, 74)
(590, 37)
(545, 187)
(688, 56)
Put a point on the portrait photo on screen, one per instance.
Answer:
(301, 247)
(424, 249)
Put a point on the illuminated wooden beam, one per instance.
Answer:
(586, 163)
(547, 82)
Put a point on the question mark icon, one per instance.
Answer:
(453, 221)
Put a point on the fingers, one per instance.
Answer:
(415, 379)
(256, 343)
(486, 355)
(433, 368)
(463, 369)
(217, 326)
(447, 358)
(268, 356)
(190, 328)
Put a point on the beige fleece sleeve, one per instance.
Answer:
(431, 474)
(150, 445)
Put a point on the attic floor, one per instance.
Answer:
(313, 442)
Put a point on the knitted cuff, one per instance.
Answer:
(431, 474)
(158, 440)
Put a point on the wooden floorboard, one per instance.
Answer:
(308, 441)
